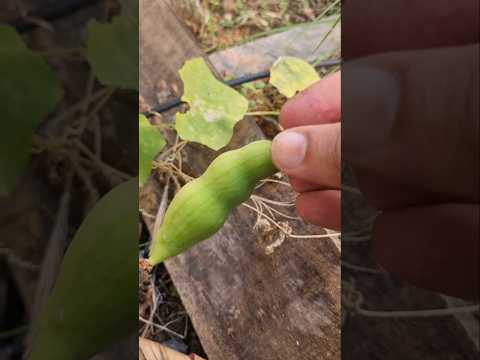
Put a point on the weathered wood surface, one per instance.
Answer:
(244, 303)
(259, 55)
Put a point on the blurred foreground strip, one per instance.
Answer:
(149, 350)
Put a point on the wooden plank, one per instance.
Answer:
(259, 55)
(244, 303)
(161, 55)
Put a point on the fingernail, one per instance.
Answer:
(289, 149)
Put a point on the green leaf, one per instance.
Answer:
(291, 75)
(215, 108)
(29, 90)
(95, 299)
(151, 142)
(112, 49)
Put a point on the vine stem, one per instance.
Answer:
(160, 327)
(353, 300)
(72, 110)
(322, 236)
(327, 9)
(337, 20)
(95, 160)
(15, 260)
(364, 269)
(261, 203)
(273, 202)
(419, 313)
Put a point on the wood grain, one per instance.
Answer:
(260, 54)
(244, 303)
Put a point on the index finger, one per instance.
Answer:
(319, 104)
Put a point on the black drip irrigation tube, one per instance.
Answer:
(54, 12)
(170, 104)
(68, 7)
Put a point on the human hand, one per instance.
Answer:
(410, 132)
(308, 152)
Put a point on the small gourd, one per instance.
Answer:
(202, 206)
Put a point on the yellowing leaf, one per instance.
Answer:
(291, 75)
(29, 90)
(215, 108)
(112, 49)
(151, 142)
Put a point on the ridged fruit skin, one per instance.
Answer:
(95, 299)
(202, 206)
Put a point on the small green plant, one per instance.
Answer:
(291, 75)
(112, 48)
(215, 108)
(202, 206)
(151, 143)
(29, 90)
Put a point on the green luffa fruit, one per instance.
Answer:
(95, 298)
(202, 206)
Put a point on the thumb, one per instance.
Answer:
(310, 153)
(410, 125)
